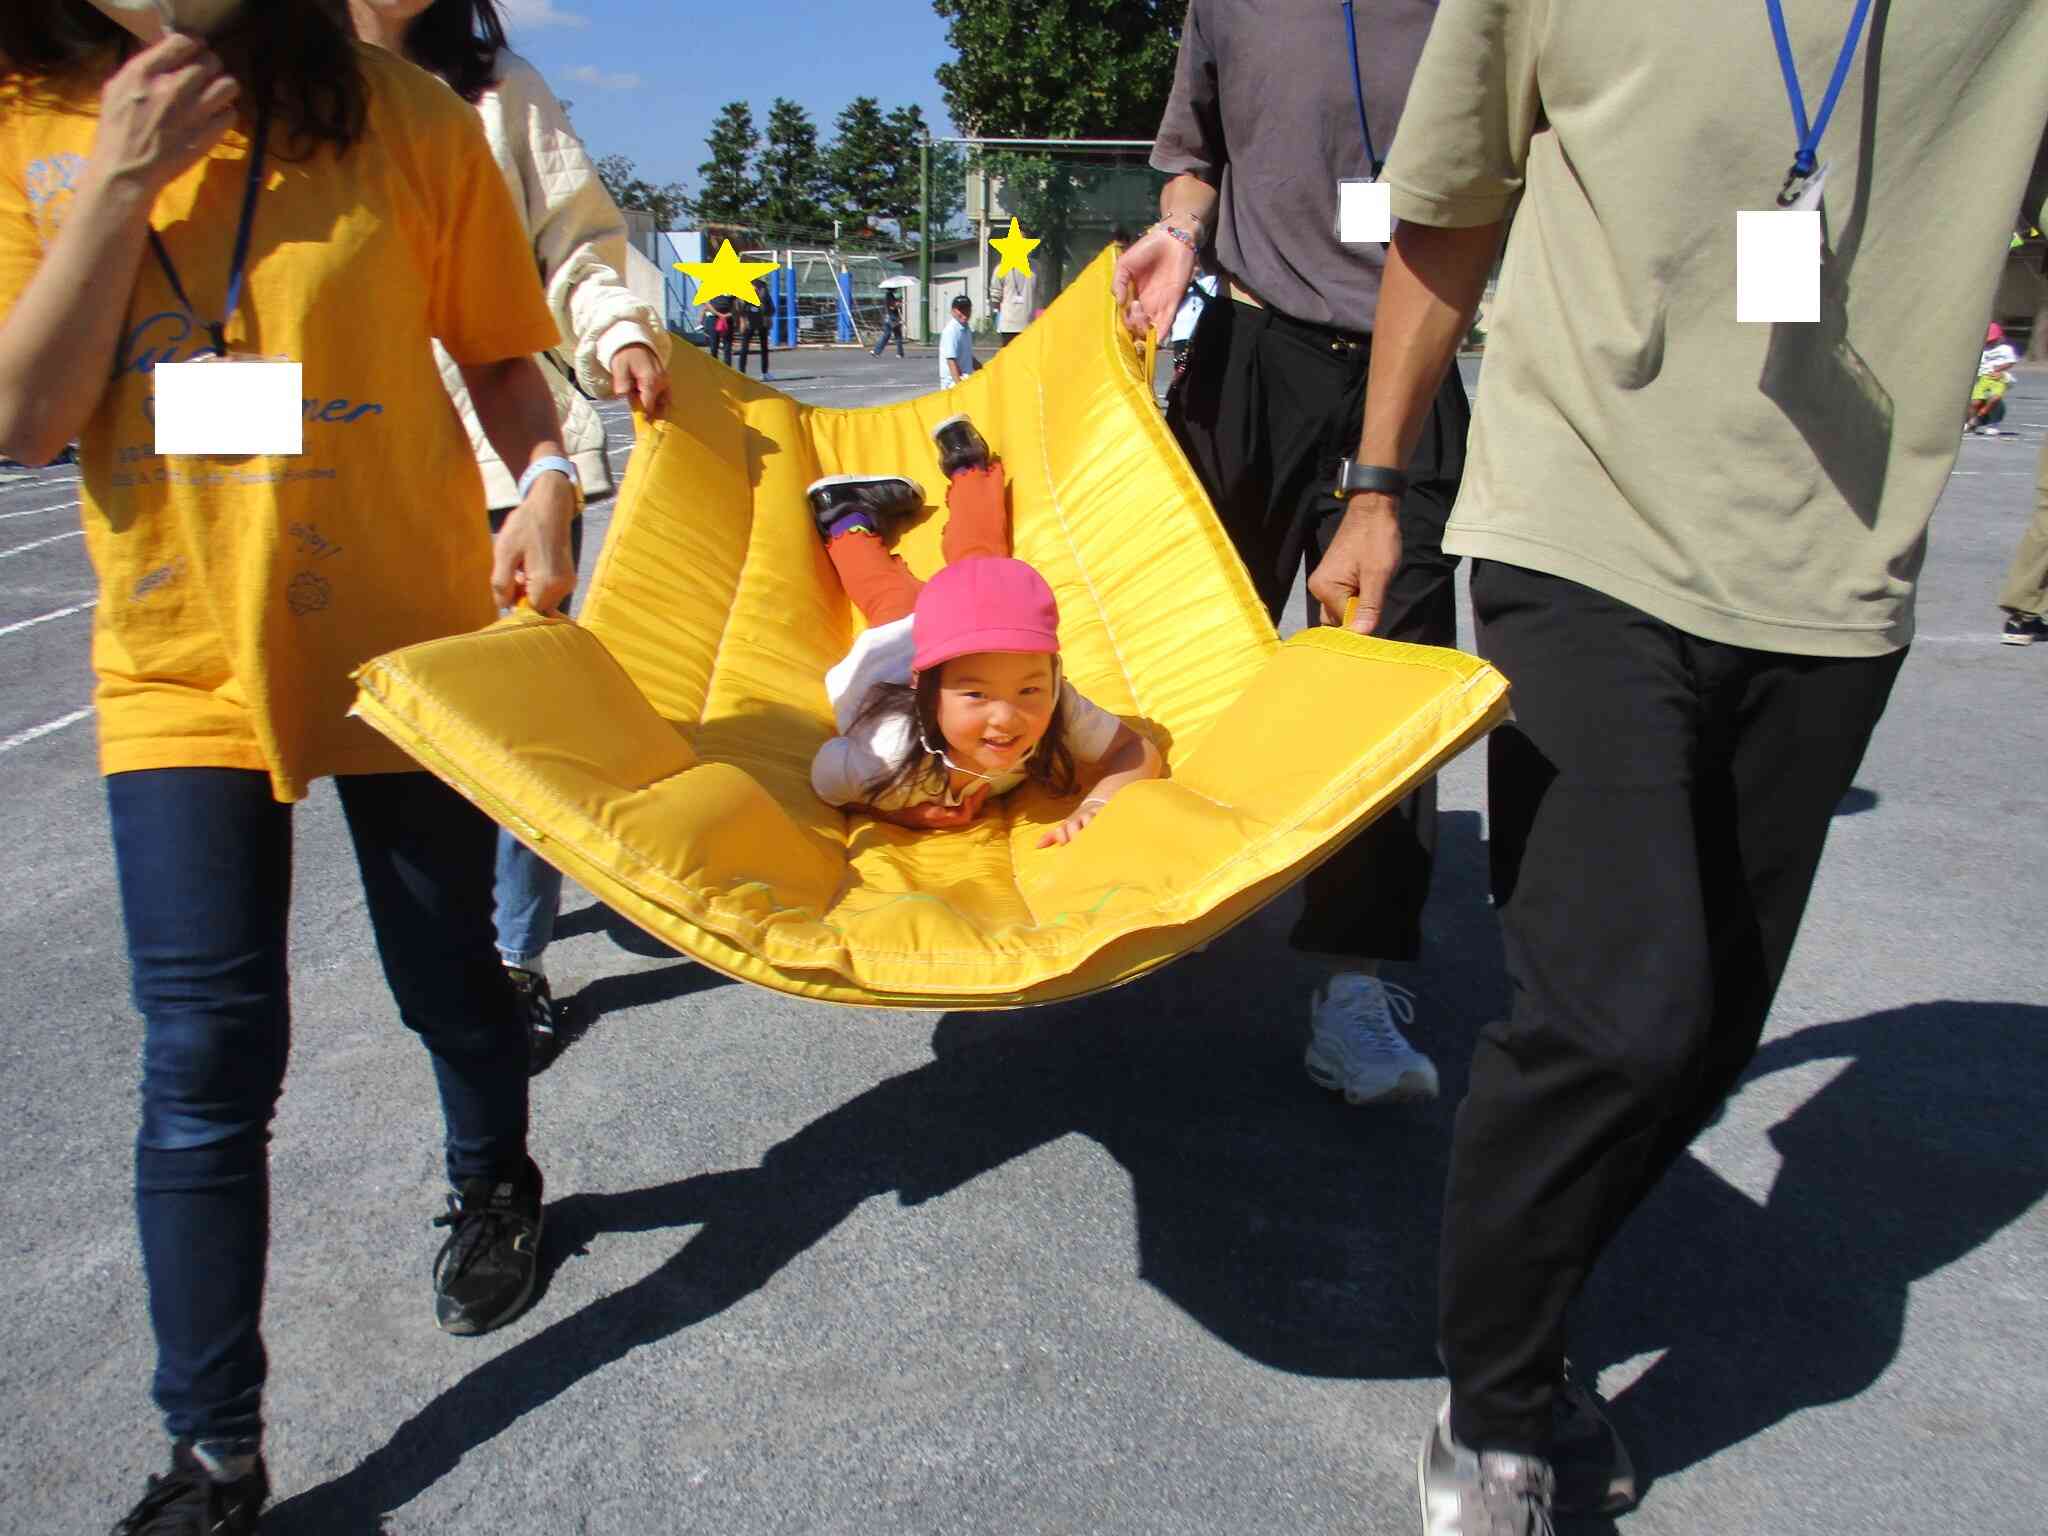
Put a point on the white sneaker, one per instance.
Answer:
(1355, 1044)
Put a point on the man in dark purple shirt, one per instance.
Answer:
(1272, 108)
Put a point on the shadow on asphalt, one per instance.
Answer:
(1303, 1234)
(599, 918)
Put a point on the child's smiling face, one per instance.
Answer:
(995, 708)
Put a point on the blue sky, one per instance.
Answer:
(647, 77)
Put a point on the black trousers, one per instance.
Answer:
(1264, 411)
(1658, 808)
(748, 337)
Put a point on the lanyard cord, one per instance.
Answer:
(1372, 158)
(1809, 135)
(218, 329)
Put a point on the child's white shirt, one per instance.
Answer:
(2004, 355)
(847, 764)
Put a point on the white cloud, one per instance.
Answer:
(531, 14)
(590, 74)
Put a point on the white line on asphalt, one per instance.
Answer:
(43, 618)
(55, 538)
(51, 480)
(23, 738)
(61, 506)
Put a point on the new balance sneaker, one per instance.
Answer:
(960, 446)
(1481, 1493)
(484, 1273)
(2024, 629)
(877, 504)
(1595, 1475)
(543, 1016)
(192, 1500)
(1355, 1046)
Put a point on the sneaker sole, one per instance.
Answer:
(468, 1328)
(825, 480)
(2017, 639)
(1409, 1088)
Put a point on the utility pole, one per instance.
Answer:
(924, 235)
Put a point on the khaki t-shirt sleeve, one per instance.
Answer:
(486, 304)
(1190, 139)
(1463, 146)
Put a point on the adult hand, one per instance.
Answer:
(1151, 279)
(637, 374)
(531, 556)
(1359, 562)
(1070, 829)
(161, 112)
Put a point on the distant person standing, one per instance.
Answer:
(956, 344)
(2025, 598)
(616, 344)
(1012, 296)
(720, 324)
(892, 323)
(757, 319)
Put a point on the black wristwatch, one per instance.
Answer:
(1353, 478)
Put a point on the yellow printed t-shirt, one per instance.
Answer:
(237, 594)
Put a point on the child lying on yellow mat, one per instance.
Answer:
(953, 696)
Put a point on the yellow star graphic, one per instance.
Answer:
(725, 274)
(1016, 250)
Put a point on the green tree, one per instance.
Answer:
(861, 163)
(730, 195)
(670, 204)
(1100, 69)
(790, 177)
(906, 131)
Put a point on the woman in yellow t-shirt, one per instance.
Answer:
(276, 191)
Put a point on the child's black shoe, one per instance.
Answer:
(960, 446)
(879, 504)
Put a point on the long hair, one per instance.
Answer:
(916, 708)
(459, 40)
(297, 57)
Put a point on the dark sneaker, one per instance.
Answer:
(2024, 629)
(484, 1273)
(1594, 1473)
(189, 1501)
(1484, 1493)
(876, 504)
(543, 1016)
(960, 446)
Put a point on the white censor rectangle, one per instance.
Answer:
(1777, 265)
(230, 409)
(1365, 212)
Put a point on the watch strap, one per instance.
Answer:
(542, 465)
(1353, 478)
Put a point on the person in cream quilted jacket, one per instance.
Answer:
(613, 343)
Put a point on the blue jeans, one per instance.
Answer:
(203, 857)
(892, 330)
(529, 889)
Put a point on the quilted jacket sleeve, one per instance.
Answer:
(579, 236)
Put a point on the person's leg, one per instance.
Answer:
(1365, 903)
(899, 339)
(977, 516)
(879, 583)
(1595, 847)
(203, 860)
(2025, 593)
(426, 855)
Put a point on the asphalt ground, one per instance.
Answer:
(1111, 1266)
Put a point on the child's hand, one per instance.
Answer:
(1070, 829)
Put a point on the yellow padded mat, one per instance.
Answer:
(658, 749)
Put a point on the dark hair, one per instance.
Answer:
(298, 57)
(459, 40)
(964, 302)
(916, 708)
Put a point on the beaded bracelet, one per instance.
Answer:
(1181, 235)
(1097, 801)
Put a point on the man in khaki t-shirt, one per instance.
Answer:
(1695, 542)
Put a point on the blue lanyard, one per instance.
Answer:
(1803, 161)
(218, 329)
(1372, 158)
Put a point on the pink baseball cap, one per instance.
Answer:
(984, 605)
(1993, 332)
